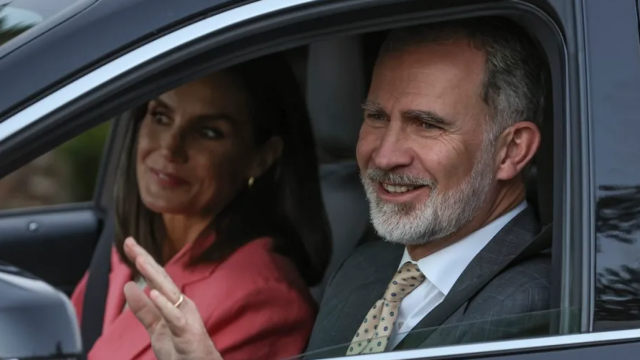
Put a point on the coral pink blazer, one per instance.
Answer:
(254, 306)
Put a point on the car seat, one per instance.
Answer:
(335, 89)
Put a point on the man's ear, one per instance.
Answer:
(517, 146)
(267, 155)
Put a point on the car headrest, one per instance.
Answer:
(335, 89)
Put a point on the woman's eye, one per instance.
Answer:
(159, 118)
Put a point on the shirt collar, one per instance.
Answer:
(444, 267)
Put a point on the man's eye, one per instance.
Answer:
(210, 133)
(429, 126)
(375, 116)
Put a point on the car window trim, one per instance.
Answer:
(501, 347)
(180, 37)
(138, 57)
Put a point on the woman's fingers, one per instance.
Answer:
(134, 251)
(189, 335)
(158, 279)
(153, 273)
(173, 317)
(143, 308)
(187, 328)
(130, 247)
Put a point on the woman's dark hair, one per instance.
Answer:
(285, 203)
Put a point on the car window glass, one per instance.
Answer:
(615, 75)
(18, 16)
(538, 324)
(455, 330)
(66, 174)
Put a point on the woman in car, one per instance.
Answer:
(218, 182)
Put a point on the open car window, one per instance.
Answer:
(65, 175)
(537, 324)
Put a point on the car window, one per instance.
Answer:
(18, 16)
(14, 22)
(500, 328)
(615, 80)
(455, 333)
(66, 174)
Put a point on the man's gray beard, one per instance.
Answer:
(438, 217)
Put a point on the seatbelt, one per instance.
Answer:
(443, 311)
(95, 296)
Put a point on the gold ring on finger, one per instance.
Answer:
(180, 300)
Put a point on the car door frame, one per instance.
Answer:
(46, 113)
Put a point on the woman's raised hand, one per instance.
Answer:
(171, 319)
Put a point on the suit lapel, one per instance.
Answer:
(365, 294)
(362, 281)
(510, 241)
(123, 336)
(503, 248)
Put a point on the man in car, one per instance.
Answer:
(450, 126)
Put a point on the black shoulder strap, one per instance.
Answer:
(452, 304)
(95, 296)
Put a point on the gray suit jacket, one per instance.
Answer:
(508, 307)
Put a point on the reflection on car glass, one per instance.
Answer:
(503, 328)
(15, 21)
(16, 17)
(617, 283)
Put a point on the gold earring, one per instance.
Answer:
(251, 180)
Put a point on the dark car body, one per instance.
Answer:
(87, 61)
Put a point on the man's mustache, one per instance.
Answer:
(377, 175)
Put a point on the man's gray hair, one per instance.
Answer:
(514, 80)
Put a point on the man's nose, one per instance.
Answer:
(392, 151)
(174, 146)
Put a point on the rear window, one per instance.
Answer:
(18, 16)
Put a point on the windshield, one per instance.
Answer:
(18, 16)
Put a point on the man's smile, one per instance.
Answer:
(400, 193)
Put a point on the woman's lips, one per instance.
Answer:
(168, 179)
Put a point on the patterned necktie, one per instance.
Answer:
(373, 334)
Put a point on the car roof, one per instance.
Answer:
(81, 35)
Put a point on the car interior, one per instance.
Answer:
(333, 75)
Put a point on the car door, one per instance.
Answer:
(86, 99)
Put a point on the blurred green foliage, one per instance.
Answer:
(84, 155)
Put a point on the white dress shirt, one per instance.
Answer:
(442, 269)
